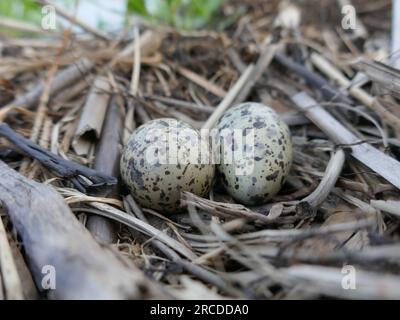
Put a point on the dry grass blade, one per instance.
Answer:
(327, 183)
(20, 26)
(132, 222)
(387, 167)
(287, 235)
(11, 279)
(122, 217)
(396, 33)
(387, 76)
(266, 56)
(330, 282)
(202, 82)
(92, 118)
(223, 210)
(61, 80)
(390, 206)
(229, 98)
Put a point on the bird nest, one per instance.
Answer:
(69, 102)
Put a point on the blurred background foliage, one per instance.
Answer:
(26, 10)
(182, 14)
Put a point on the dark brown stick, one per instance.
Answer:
(63, 168)
(318, 82)
(266, 56)
(107, 161)
(60, 81)
(53, 237)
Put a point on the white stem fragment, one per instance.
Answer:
(376, 160)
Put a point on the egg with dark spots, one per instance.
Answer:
(256, 152)
(161, 159)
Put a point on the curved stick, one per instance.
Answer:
(331, 175)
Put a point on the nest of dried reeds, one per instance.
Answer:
(81, 96)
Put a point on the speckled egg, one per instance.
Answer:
(256, 152)
(162, 158)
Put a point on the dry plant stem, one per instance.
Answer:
(266, 56)
(382, 164)
(236, 60)
(202, 82)
(396, 33)
(44, 143)
(149, 41)
(8, 268)
(189, 266)
(44, 99)
(33, 43)
(294, 119)
(71, 92)
(363, 206)
(270, 235)
(327, 90)
(120, 216)
(63, 79)
(229, 98)
(136, 63)
(332, 173)
(328, 280)
(92, 117)
(385, 75)
(196, 270)
(142, 114)
(245, 256)
(70, 17)
(61, 167)
(223, 210)
(390, 253)
(332, 72)
(184, 104)
(134, 88)
(95, 108)
(84, 269)
(20, 26)
(370, 101)
(129, 122)
(390, 206)
(107, 161)
(109, 147)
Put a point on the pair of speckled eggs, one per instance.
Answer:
(251, 150)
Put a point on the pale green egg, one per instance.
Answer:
(161, 159)
(256, 153)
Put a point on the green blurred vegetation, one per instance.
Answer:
(25, 10)
(182, 14)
